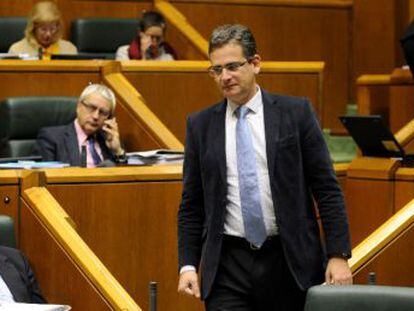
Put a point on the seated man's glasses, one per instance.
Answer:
(217, 70)
(90, 108)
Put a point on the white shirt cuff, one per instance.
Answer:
(187, 268)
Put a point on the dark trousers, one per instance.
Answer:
(254, 280)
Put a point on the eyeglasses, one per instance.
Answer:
(47, 28)
(217, 70)
(90, 108)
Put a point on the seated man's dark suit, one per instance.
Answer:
(60, 143)
(19, 277)
(299, 169)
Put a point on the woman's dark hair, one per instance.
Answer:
(150, 19)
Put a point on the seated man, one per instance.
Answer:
(17, 280)
(92, 138)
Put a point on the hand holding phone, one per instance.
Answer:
(112, 139)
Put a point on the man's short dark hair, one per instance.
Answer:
(237, 34)
(151, 18)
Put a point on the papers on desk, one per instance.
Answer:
(24, 56)
(32, 165)
(157, 156)
(32, 307)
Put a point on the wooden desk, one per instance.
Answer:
(369, 195)
(390, 95)
(173, 90)
(127, 216)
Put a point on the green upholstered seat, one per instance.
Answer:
(11, 31)
(21, 118)
(360, 298)
(102, 35)
(7, 237)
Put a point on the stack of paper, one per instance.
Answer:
(157, 156)
(32, 164)
(32, 306)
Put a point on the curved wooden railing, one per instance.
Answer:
(291, 3)
(180, 22)
(135, 104)
(60, 226)
(381, 238)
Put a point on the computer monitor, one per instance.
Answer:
(373, 136)
(78, 56)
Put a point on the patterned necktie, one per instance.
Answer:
(254, 227)
(95, 156)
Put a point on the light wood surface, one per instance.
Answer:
(369, 194)
(179, 21)
(387, 251)
(127, 216)
(173, 90)
(71, 274)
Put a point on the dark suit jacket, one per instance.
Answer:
(407, 42)
(299, 169)
(19, 277)
(60, 143)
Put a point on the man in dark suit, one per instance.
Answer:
(17, 280)
(93, 131)
(253, 165)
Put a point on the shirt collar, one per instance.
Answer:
(253, 104)
(80, 133)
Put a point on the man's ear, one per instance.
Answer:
(256, 60)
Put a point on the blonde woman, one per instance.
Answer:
(43, 33)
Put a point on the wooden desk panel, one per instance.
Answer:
(370, 203)
(394, 265)
(59, 278)
(131, 226)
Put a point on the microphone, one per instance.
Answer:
(153, 296)
(40, 53)
(83, 156)
(106, 163)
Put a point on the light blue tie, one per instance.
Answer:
(254, 227)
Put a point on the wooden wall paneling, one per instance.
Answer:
(394, 265)
(369, 194)
(369, 204)
(131, 226)
(54, 78)
(59, 278)
(378, 25)
(401, 107)
(404, 187)
(290, 33)
(174, 90)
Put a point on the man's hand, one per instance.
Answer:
(112, 141)
(188, 284)
(338, 272)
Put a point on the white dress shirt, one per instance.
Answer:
(233, 224)
(5, 293)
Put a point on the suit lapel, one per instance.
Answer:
(218, 134)
(272, 118)
(72, 147)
